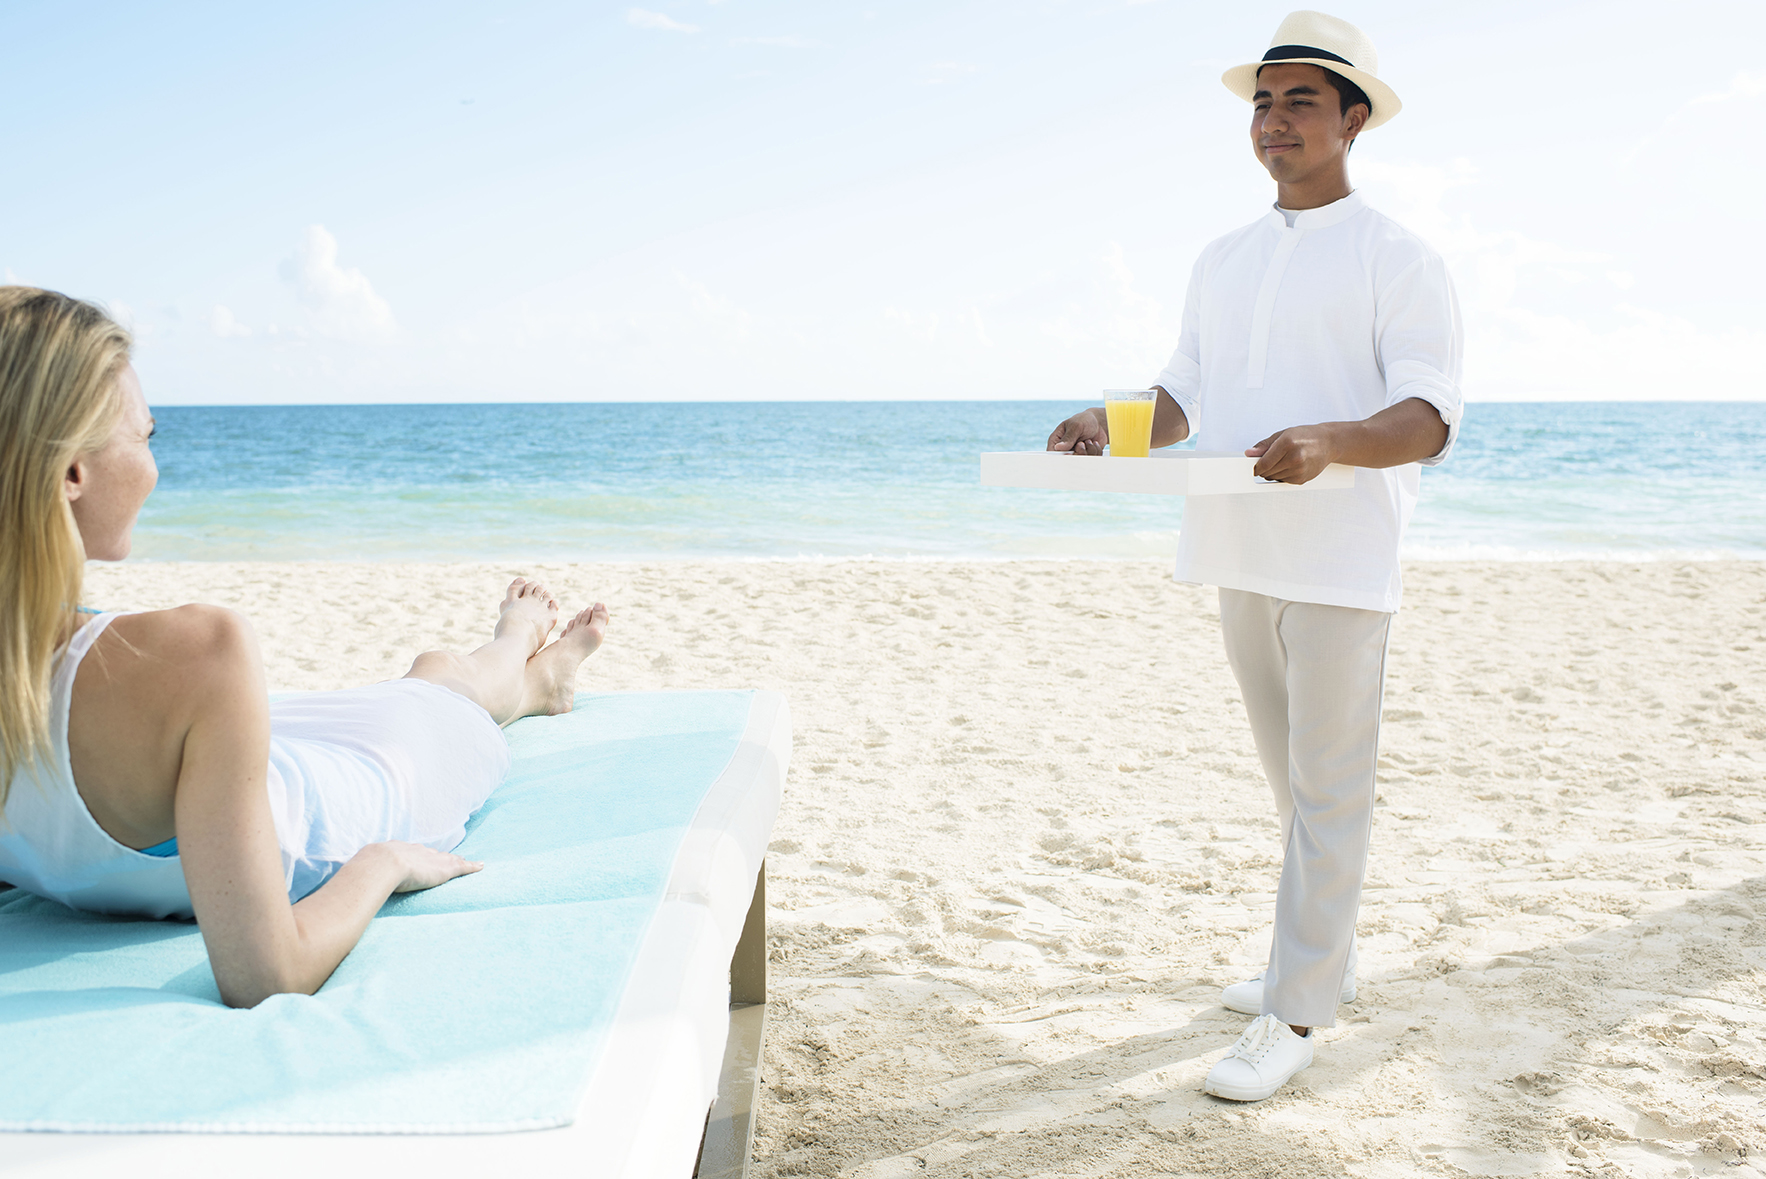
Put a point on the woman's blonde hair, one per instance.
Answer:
(59, 362)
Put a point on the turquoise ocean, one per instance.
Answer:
(783, 480)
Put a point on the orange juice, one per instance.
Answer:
(1130, 422)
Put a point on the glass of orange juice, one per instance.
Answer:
(1128, 415)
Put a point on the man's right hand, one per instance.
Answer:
(1083, 433)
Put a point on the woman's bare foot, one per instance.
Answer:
(550, 688)
(530, 605)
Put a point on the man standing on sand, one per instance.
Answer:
(1321, 333)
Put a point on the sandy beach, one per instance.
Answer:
(1026, 840)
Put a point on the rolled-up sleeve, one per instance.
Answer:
(1182, 375)
(1421, 343)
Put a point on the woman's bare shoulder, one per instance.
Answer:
(169, 653)
(181, 627)
(148, 680)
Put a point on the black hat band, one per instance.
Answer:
(1289, 52)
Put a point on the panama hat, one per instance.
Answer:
(1312, 38)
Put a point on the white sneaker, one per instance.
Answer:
(1247, 997)
(1261, 1062)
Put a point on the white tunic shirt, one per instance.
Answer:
(1331, 319)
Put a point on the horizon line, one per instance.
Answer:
(1760, 400)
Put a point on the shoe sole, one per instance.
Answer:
(1242, 1010)
(1228, 1093)
(1345, 997)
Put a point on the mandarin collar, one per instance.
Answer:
(1322, 217)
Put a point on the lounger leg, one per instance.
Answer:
(748, 963)
(729, 1130)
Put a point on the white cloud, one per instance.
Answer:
(1646, 355)
(1690, 151)
(1544, 322)
(1744, 85)
(1107, 318)
(222, 323)
(778, 42)
(644, 19)
(343, 302)
(729, 319)
(939, 72)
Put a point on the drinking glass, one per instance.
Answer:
(1128, 414)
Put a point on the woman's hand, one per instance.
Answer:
(421, 867)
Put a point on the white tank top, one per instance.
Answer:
(405, 759)
(49, 842)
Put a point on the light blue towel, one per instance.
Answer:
(478, 1006)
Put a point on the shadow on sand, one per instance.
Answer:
(1551, 1059)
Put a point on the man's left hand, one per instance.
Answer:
(1295, 455)
(1409, 432)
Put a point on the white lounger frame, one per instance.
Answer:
(728, 1146)
(716, 887)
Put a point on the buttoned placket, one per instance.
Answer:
(1264, 311)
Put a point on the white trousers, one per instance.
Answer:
(1312, 677)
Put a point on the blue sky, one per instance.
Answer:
(548, 201)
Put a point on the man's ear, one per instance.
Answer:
(1355, 120)
(75, 483)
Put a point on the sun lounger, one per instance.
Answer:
(85, 1004)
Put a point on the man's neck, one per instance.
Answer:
(1314, 192)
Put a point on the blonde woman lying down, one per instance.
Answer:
(143, 769)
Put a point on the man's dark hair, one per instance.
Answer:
(1348, 93)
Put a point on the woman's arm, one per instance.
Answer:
(183, 692)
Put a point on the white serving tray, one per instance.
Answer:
(1164, 472)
